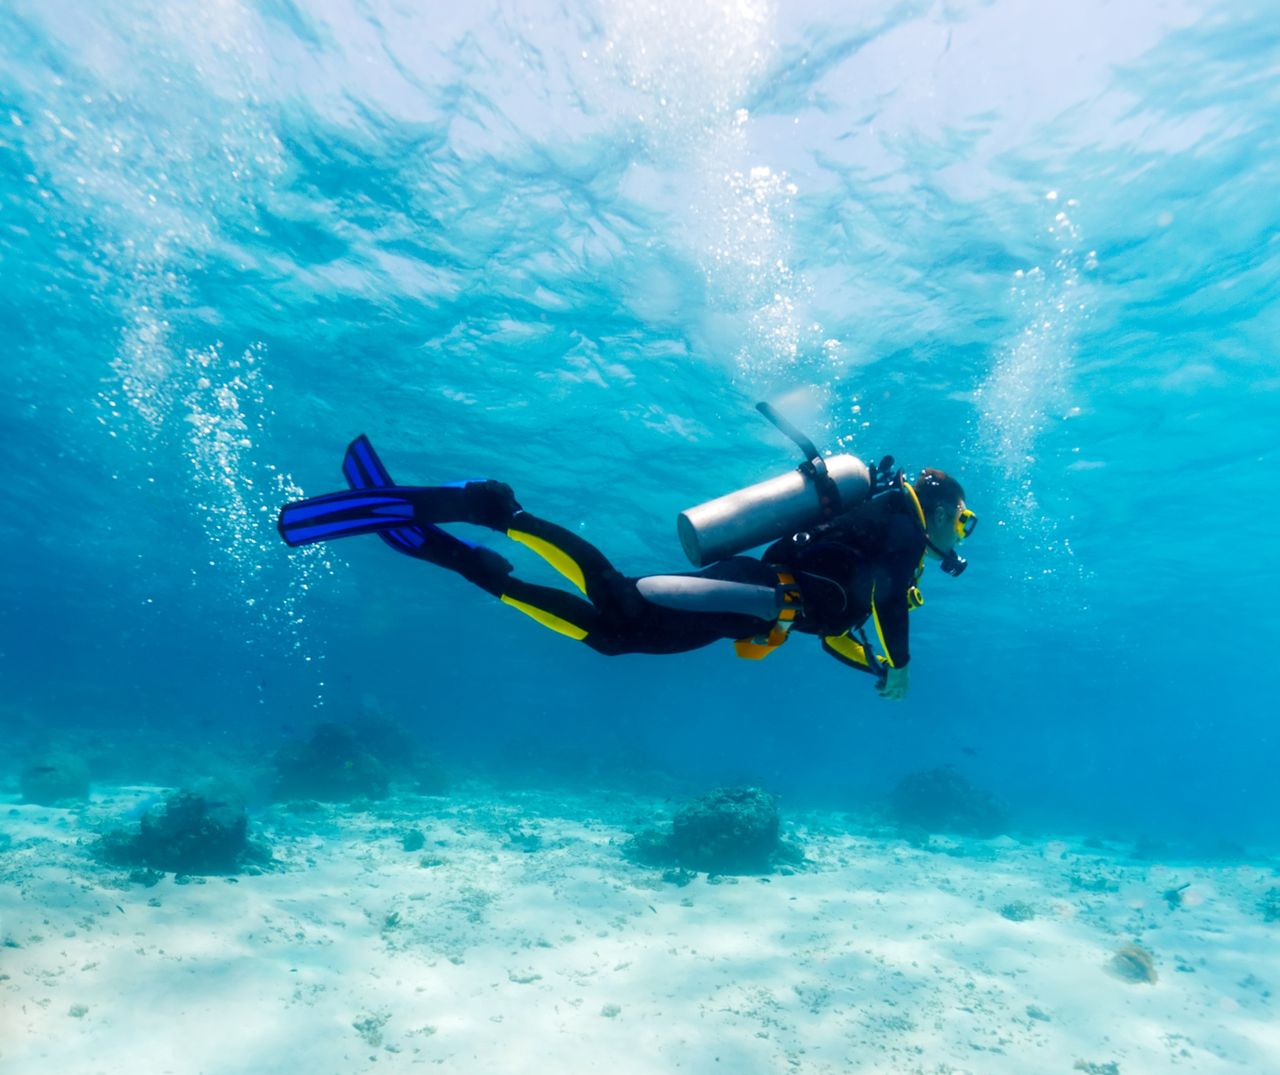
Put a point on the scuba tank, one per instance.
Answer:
(817, 490)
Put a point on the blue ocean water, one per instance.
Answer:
(570, 246)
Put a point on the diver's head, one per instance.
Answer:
(947, 521)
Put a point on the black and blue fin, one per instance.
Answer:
(337, 515)
(423, 541)
(364, 470)
(362, 467)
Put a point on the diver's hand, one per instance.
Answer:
(894, 686)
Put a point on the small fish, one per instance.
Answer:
(970, 751)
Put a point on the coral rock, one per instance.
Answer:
(187, 834)
(334, 765)
(732, 830)
(941, 800)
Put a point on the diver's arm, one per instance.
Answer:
(889, 609)
(894, 579)
(889, 614)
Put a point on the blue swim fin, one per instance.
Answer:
(423, 541)
(335, 515)
(362, 467)
(364, 470)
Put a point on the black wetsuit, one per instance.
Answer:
(860, 566)
(614, 618)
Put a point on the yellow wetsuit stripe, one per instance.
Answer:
(875, 616)
(556, 557)
(547, 619)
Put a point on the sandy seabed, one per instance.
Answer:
(519, 939)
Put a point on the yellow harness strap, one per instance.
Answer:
(759, 647)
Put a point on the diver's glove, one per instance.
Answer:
(895, 684)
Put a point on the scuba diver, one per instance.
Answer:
(847, 545)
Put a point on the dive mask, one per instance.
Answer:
(952, 562)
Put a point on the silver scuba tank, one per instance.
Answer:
(811, 493)
(766, 511)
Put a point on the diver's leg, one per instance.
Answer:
(482, 502)
(406, 517)
(476, 563)
(609, 621)
(605, 620)
(563, 612)
(729, 599)
(575, 558)
(493, 504)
